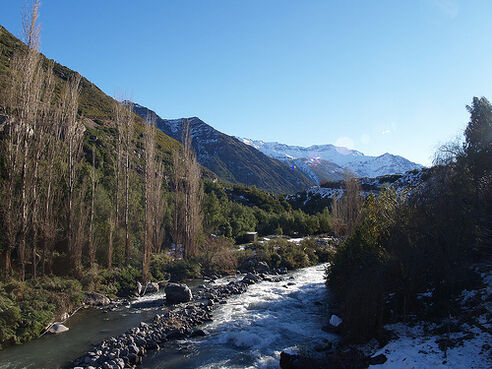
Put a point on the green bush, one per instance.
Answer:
(185, 269)
(27, 308)
(280, 252)
(159, 265)
(118, 281)
(10, 316)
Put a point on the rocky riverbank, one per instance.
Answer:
(176, 322)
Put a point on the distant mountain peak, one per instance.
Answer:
(328, 162)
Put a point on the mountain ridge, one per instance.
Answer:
(329, 162)
(229, 158)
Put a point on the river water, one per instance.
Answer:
(249, 331)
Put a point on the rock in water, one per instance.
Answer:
(377, 360)
(262, 267)
(96, 299)
(151, 287)
(250, 278)
(198, 333)
(293, 360)
(335, 321)
(139, 288)
(177, 293)
(58, 328)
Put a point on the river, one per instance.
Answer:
(249, 331)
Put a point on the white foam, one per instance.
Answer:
(270, 317)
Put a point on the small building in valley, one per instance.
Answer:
(251, 236)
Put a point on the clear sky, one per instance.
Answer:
(378, 76)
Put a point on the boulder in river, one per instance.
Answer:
(177, 293)
(378, 359)
(151, 287)
(335, 320)
(198, 333)
(96, 299)
(262, 267)
(250, 278)
(293, 360)
(58, 328)
(139, 288)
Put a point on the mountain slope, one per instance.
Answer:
(315, 199)
(94, 105)
(328, 162)
(231, 159)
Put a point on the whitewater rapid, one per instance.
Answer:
(252, 329)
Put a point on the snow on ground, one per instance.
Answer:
(416, 350)
(470, 347)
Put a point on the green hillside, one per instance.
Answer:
(94, 104)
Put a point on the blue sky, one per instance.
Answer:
(378, 76)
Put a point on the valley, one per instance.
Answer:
(143, 230)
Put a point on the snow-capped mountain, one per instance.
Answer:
(328, 162)
(229, 158)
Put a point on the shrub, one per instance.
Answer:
(217, 255)
(9, 320)
(118, 281)
(185, 269)
(159, 265)
(27, 308)
(357, 273)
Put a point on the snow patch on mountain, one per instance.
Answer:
(318, 161)
(408, 182)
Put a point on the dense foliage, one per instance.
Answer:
(233, 210)
(423, 241)
(27, 308)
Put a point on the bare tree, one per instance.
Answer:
(73, 135)
(345, 209)
(149, 182)
(128, 134)
(118, 115)
(188, 196)
(92, 250)
(80, 228)
(24, 106)
(51, 192)
(159, 203)
(41, 137)
(43, 155)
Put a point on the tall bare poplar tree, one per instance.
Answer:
(345, 210)
(188, 196)
(92, 249)
(149, 147)
(128, 135)
(51, 192)
(24, 108)
(73, 137)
